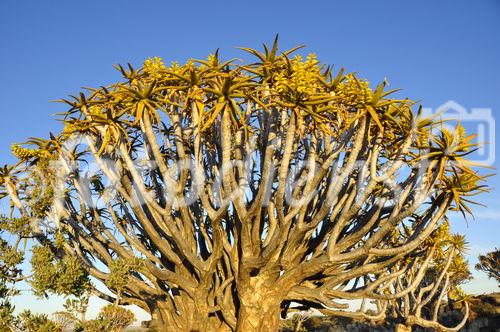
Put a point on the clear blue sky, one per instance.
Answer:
(436, 50)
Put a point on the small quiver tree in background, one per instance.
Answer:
(421, 289)
(490, 264)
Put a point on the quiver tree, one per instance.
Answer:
(235, 192)
(490, 264)
(421, 286)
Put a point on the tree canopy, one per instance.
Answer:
(218, 194)
(490, 264)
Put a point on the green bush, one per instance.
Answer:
(112, 318)
(29, 322)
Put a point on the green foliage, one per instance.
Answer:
(112, 318)
(64, 276)
(6, 313)
(42, 189)
(120, 270)
(14, 225)
(59, 239)
(29, 322)
(119, 317)
(10, 258)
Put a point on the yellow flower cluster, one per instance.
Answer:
(175, 67)
(353, 91)
(25, 154)
(95, 110)
(439, 237)
(442, 231)
(459, 265)
(303, 78)
(154, 67)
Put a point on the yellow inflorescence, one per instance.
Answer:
(154, 67)
(95, 110)
(303, 78)
(22, 153)
(175, 67)
(459, 265)
(439, 236)
(25, 154)
(354, 91)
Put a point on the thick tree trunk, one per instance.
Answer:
(260, 317)
(259, 307)
(263, 317)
